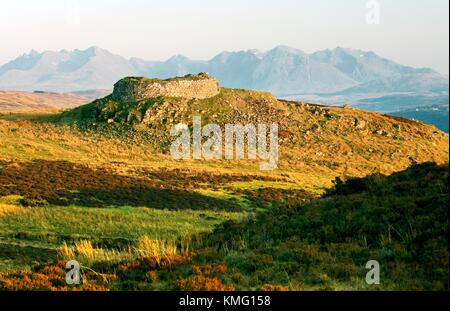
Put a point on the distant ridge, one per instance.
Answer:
(283, 71)
(38, 102)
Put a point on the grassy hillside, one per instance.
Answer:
(334, 139)
(42, 102)
(97, 184)
(400, 220)
(323, 244)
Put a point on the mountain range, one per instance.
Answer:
(283, 71)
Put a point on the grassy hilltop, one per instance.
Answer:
(97, 184)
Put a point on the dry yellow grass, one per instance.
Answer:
(6, 209)
(20, 102)
(66, 252)
(156, 249)
(86, 253)
(145, 247)
(85, 249)
(26, 141)
(10, 205)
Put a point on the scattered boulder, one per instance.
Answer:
(316, 127)
(413, 160)
(360, 124)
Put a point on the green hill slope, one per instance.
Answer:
(399, 220)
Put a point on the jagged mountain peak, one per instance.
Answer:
(287, 49)
(32, 53)
(177, 58)
(282, 70)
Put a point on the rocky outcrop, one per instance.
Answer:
(133, 89)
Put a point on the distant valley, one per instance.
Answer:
(436, 114)
(408, 105)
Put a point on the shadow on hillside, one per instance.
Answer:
(400, 220)
(413, 201)
(186, 179)
(65, 183)
(23, 255)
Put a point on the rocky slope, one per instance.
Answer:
(341, 139)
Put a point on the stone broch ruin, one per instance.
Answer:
(133, 89)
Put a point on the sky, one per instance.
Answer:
(411, 32)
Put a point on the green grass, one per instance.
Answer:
(123, 222)
(48, 227)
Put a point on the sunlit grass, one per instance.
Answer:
(111, 223)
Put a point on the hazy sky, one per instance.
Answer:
(412, 32)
